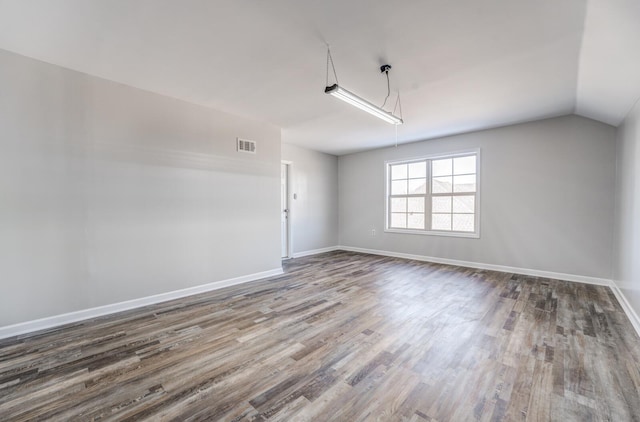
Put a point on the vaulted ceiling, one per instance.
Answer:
(460, 65)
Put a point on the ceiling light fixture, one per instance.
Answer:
(349, 97)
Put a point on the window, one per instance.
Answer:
(434, 195)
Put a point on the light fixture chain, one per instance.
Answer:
(388, 90)
(398, 104)
(330, 60)
(396, 135)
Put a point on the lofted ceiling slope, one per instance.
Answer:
(460, 65)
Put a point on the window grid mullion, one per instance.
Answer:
(428, 224)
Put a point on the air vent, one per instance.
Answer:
(246, 146)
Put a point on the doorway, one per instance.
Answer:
(285, 210)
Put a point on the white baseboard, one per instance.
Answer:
(626, 306)
(482, 266)
(316, 251)
(57, 320)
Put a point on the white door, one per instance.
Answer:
(284, 209)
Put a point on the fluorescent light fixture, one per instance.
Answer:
(362, 104)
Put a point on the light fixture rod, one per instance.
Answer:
(362, 104)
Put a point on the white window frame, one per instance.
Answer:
(428, 195)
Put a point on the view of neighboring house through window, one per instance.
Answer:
(434, 195)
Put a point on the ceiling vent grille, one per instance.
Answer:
(245, 145)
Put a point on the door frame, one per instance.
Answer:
(289, 239)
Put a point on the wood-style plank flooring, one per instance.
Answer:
(341, 337)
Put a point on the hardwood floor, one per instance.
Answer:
(341, 337)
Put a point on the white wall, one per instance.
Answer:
(546, 198)
(110, 193)
(626, 268)
(314, 214)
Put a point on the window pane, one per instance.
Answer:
(399, 220)
(464, 165)
(399, 171)
(450, 184)
(398, 204)
(463, 222)
(442, 185)
(416, 205)
(441, 204)
(464, 204)
(416, 221)
(441, 222)
(399, 187)
(417, 170)
(464, 183)
(417, 186)
(442, 167)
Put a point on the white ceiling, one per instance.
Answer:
(460, 65)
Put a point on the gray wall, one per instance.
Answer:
(626, 268)
(314, 214)
(110, 193)
(546, 198)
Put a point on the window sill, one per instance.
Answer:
(475, 235)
